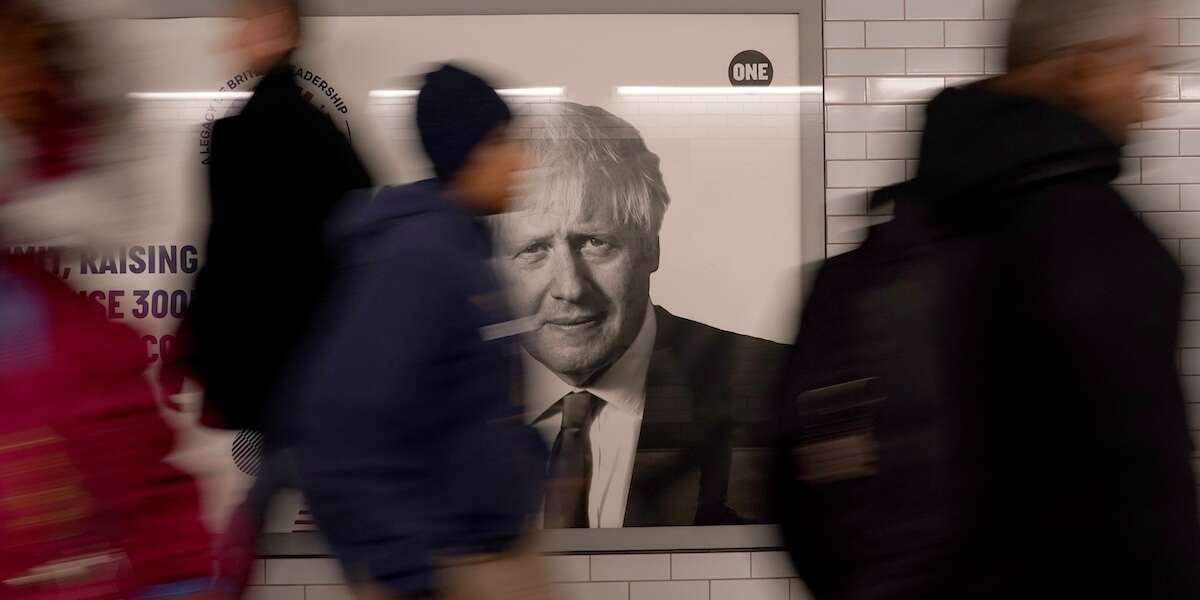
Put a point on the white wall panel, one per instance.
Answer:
(844, 34)
(905, 34)
(976, 33)
(943, 9)
(864, 62)
(944, 61)
(841, 10)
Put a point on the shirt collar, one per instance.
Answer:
(623, 385)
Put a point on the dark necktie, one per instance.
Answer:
(571, 464)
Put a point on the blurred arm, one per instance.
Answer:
(148, 505)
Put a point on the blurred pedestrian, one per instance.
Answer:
(89, 509)
(277, 171)
(414, 455)
(64, 133)
(984, 401)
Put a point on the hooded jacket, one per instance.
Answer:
(412, 448)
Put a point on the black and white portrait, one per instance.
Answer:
(658, 249)
(653, 419)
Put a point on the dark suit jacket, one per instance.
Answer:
(277, 171)
(702, 453)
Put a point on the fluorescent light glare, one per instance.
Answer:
(512, 92)
(189, 95)
(664, 90)
(531, 91)
(392, 93)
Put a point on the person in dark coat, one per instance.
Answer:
(1058, 463)
(413, 454)
(276, 172)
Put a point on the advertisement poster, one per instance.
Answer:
(693, 121)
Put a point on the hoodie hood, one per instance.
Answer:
(979, 139)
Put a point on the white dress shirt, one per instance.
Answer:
(616, 423)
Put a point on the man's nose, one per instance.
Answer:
(570, 277)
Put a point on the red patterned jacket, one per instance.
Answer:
(88, 507)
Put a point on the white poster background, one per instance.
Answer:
(732, 162)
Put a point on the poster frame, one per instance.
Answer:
(811, 25)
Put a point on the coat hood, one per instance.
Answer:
(979, 139)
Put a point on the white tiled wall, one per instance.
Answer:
(699, 576)
(884, 59)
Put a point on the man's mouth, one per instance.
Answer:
(574, 323)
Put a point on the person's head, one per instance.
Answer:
(464, 128)
(1090, 55)
(34, 72)
(266, 30)
(581, 248)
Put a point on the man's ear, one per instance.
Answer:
(655, 254)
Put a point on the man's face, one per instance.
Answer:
(489, 175)
(25, 80)
(264, 33)
(1111, 87)
(586, 283)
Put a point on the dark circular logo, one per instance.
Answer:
(313, 87)
(751, 68)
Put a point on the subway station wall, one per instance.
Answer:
(882, 60)
(728, 160)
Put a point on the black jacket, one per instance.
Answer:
(278, 170)
(701, 450)
(1056, 451)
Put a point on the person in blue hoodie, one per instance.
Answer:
(413, 453)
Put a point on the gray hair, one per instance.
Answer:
(587, 159)
(1043, 28)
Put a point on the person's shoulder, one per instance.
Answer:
(1055, 246)
(405, 225)
(1069, 203)
(1069, 219)
(230, 130)
(681, 332)
(726, 371)
(280, 104)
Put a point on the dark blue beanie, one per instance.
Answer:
(455, 110)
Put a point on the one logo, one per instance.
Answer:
(313, 87)
(751, 68)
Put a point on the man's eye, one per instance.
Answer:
(597, 248)
(533, 250)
